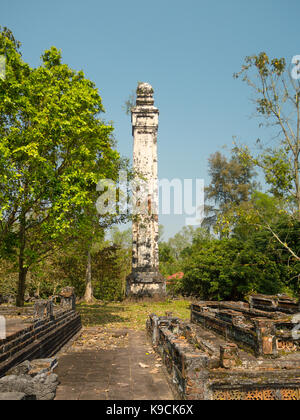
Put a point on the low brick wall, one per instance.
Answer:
(181, 359)
(245, 335)
(264, 333)
(43, 338)
(267, 303)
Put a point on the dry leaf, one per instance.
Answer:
(143, 366)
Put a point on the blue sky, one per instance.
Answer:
(188, 50)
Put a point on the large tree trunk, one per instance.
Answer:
(21, 286)
(89, 296)
(22, 269)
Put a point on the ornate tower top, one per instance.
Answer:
(144, 95)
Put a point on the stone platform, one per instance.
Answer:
(146, 284)
(15, 325)
(233, 350)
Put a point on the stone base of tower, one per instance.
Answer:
(148, 284)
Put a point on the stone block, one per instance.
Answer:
(41, 387)
(43, 309)
(21, 369)
(42, 366)
(12, 396)
(229, 356)
(68, 298)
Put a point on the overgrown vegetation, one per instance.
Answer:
(130, 315)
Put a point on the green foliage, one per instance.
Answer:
(229, 269)
(231, 180)
(277, 99)
(130, 315)
(54, 148)
(231, 185)
(172, 251)
(111, 267)
(249, 260)
(130, 102)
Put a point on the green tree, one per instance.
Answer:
(231, 184)
(277, 100)
(172, 252)
(229, 269)
(183, 239)
(53, 151)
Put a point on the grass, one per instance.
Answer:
(130, 315)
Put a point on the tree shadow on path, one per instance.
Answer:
(101, 315)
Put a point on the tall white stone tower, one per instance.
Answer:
(145, 279)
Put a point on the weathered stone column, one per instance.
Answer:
(68, 298)
(145, 279)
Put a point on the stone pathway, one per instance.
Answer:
(117, 365)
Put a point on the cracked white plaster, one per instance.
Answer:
(144, 130)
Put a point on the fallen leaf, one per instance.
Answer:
(143, 366)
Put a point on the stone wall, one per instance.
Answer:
(263, 332)
(230, 351)
(43, 338)
(279, 303)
